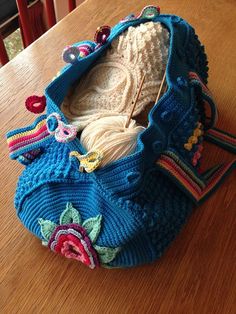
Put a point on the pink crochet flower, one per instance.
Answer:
(76, 239)
(72, 241)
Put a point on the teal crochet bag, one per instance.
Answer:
(127, 212)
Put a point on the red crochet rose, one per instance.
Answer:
(72, 241)
(76, 239)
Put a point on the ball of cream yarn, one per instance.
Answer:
(110, 136)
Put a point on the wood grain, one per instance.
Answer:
(197, 273)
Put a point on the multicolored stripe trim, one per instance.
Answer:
(27, 158)
(221, 138)
(207, 98)
(26, 143)
(194, 77)
(196, 186)
(182, 174)
(216, 177)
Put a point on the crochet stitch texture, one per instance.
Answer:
(110, 86)
(144, 199)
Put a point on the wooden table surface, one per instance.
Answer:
(197, 274)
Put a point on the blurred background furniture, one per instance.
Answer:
(23, 14)
(33, 17)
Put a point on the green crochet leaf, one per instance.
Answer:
(106, 254)
(70, 215)
(47, 228)
(93, 227)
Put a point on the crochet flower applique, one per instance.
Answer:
(75, 239)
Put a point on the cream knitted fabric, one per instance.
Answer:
(109, 88)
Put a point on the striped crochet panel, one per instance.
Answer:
(26, 143)
(223, 139)
(188, 180)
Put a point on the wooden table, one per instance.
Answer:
(197, 274)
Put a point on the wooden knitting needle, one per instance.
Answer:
(165, 89)
(160, 89)
(135, 102)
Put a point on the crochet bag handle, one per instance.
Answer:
(199, 187)
(25, 144)
(215, 175)
(206, 98)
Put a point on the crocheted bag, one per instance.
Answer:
(128, 212)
